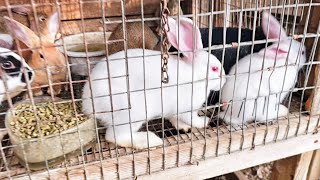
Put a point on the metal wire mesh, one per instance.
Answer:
(170, 138)
(218, 138)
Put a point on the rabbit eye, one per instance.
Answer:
(302, 53)
(215, 68)
(41, 56)
(42, 18)
(7, 65)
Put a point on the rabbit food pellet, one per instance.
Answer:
(51, 120)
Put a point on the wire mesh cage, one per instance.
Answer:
(90, 99)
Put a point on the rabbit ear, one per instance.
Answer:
(22, 10)
(275, 50)
(21, 32)
(6, 41)
(26, 11)
(53, 26)
(275, 28)
(186, 40)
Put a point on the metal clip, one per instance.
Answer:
(164, 76)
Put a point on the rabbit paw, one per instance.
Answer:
(184, 122)
(56, 90)
(234, 121)
(274, 114)
(226, 119)
(141, 141)
(277, 113)
(283, 110)
(224, 105)
(37, 92)
(182, 126)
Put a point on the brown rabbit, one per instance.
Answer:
(134, 32)
(15, 15)
(134, 37)
(173, 6)
(37, 57)
(25, 16)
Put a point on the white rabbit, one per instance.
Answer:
(117, 66)
(11, 71)
(279, 70)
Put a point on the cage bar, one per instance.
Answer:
(220, 148)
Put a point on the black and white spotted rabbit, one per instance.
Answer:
(11, 74)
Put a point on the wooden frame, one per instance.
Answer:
(71, 9)
(191, 156)
(314, 168)
(191, 161)
(313, 102)
(306, 165)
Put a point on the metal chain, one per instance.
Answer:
(165, 43)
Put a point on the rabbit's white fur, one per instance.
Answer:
(14, 79)
(277, 77)
(152, 96)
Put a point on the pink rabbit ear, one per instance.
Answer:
(275, 28)
(21, 32)
(22, 10)
(274, 51)
(6, 41)
(185, 32)
(53, 26)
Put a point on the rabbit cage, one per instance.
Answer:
(88, 33)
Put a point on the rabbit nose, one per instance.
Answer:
(30, 74)
(55, 70)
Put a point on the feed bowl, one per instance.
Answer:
(51, 148)
(76, 50)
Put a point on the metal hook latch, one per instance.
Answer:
(165, 76)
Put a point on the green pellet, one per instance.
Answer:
(50, 119)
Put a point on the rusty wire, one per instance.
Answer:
(165, 43)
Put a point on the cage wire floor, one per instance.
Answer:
(219, 138)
